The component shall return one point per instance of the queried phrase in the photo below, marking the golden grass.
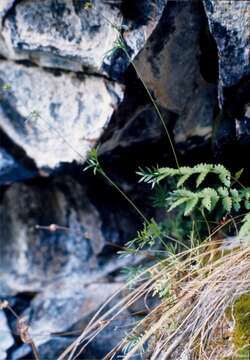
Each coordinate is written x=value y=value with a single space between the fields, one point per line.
x=205 y=281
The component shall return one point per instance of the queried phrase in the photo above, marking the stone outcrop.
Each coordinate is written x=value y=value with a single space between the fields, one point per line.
x=6 y=339
x=65 y=34
x=63 y=92
x=170 y=65
x=229 y=23
x=44 y=113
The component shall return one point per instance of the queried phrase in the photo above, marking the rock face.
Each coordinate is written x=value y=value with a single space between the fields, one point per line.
x=62 y=92
x=4 y=7
x=31 y=254
x=44 y=113
x=59 y=34
x=6 y=339
x=229 y=22
x=65 y=265
x=87 y=300
x=66 y=34
x=170 y=66
x=11 y=170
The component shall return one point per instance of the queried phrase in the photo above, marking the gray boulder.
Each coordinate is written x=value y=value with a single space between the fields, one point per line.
x=64 y=303
x=32 y=255
x=62 y=265
x=229 y=23
x=64 y=35
x=170 y=66
x=12 y=170
x=6 y=338
x=54 y=119
x=65 y=307
x=4 y=8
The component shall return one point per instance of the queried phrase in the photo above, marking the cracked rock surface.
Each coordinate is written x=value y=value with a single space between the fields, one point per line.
x=44 y=113
x=62 y=93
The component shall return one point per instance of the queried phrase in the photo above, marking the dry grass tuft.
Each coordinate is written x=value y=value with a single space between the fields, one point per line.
x=203 y=283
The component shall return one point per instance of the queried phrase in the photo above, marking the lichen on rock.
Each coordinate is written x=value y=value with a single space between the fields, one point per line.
x=241 y=330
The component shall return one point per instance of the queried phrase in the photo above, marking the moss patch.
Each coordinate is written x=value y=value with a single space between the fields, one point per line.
x=241 y=332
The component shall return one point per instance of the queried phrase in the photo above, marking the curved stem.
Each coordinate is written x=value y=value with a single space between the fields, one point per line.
x=238 y=182
x=102 y=172
x=154 y=104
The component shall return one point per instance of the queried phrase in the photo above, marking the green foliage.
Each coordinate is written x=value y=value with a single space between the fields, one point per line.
x=241 y=332
x=7 y=87
x=207 y=198
x=177 y=226
x=88 y=5
x=245 y=228
x=154 y=176
x=163 y=288
x=156 y=236
x=148 y=236
x=93 y=162
x=134 y=275
x=131 y=341
x=222 y=195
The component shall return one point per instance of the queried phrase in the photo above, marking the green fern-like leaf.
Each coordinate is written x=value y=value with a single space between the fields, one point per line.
x=247 y=198
x=236 y=199
x=223 y=173
x=245 y=228
x=185 y=172
x=182 y=180
x=206 y=201
x=227 y=203
x=209 y=198
x=201 y=178
x=221 y=195
x=190 y=206
x=222 y=191
x=178 y=202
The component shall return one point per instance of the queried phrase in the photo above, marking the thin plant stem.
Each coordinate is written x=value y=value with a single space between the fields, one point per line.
x=102 y=172
x=154 y=105
x=123 y=47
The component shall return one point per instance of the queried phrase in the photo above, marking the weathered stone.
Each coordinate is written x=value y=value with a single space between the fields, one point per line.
x=61 y=34
x=11 y=170
x=5 y=5
x=49 y=351
x=67 y=270
x=34 y=254
x=54 y=119
x=229 y=23
x=30 y=255
x=63 y=264
x=66 y=306
x=63 y=303
x=128 y=128
x=243 y=128
x=6 y=339
x=169 y=64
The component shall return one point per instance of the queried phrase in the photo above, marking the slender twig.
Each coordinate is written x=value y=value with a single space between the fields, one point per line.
x=154 y=105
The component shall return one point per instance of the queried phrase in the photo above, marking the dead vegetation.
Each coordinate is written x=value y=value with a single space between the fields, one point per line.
x=192 y=321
